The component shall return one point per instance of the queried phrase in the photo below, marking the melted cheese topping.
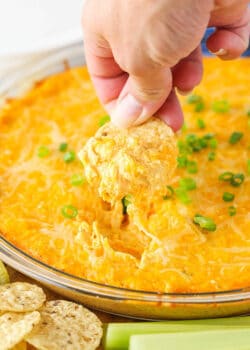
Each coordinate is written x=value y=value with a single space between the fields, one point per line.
x=165 y=251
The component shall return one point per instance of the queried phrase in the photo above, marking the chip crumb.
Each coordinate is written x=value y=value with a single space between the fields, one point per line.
x=66 y=325
x=15 y=326
x=21 y=297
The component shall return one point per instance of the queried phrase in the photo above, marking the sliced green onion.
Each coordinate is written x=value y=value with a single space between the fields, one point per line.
x=199 y=107
x=201 y=124
x=228 y=197
x=103 y=120
x=77 y=180
x=193 y=99
x=221 y=106
x=183 y=147
x=69 y=156
x=237 y=179
x=63 y=147
x=192 y=167
x=209 y=136
x=248 y=113
x=182 y=195
x=231 y=211
x=235 y=137
x=213 y=143
x=188 y=183
x=126 y=200
x=204 y=222
x=169 y=194
x=69 y=211
x=43 y=152
x=182 y=161
x=226 y=176
x=211 y=156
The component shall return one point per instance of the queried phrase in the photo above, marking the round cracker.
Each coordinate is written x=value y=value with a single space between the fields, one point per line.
x=66 y=325
x=21 y=297
x=15 y=326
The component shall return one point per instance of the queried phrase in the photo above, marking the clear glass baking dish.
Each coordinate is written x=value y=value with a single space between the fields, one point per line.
x=119 y=301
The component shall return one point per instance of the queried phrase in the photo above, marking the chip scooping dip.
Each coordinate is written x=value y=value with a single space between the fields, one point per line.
x=138 y=161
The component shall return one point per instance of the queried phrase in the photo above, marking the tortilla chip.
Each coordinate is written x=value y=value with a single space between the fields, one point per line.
x=21 y=297
x=66 y=325
x=138 y=161
x=15 y=326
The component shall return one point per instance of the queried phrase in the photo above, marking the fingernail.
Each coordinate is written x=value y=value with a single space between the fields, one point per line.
x=220 y=52
x=126 y=112
x=184 y=92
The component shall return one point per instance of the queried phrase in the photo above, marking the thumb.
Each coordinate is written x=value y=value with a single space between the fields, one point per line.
x=141 y=97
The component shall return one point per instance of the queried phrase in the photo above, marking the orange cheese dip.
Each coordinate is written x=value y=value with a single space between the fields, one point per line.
x=169 y=252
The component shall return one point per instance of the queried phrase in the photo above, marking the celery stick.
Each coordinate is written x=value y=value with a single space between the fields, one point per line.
x=232 y=339
x=117 y=334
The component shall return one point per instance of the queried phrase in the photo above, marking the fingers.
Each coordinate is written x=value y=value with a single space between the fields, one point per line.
x=141 y=97
x=171 y=112
x=188 y=72
x=231 y=41
x=106 y=75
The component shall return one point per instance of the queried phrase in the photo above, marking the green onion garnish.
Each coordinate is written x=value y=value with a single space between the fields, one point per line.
x=187 y=183
x=235 y=137
x=226 y=176
x=211 y=156
x=199 y=106
x=105 y=119
x=182 y=195
x=43 y=152
x=213 y=143
x=228 y=197
x=204 y=222
x=69 y=211
x=221 y=106
x=231 y=210
x=69 y=156
x=192 y=167
x=125 y=202
x=248 y=113
x=237 y=180
x=77 y=180
x=248 y=166
x=182 y=161
x=63 y=147
x=169 y=194
x=209 y=136
x=192 y=99
x=201 y=124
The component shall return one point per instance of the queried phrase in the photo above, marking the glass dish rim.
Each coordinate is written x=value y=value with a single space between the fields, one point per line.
x=22 y=261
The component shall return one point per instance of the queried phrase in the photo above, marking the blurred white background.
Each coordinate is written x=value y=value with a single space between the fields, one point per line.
x=29 y=28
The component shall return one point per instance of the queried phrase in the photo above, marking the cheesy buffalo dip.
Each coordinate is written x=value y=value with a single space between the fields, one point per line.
x=194 y=237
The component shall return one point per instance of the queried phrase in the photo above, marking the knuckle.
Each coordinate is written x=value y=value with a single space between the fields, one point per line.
x=150 y=94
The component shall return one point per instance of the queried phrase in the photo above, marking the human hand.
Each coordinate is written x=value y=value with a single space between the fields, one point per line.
x=138 y=51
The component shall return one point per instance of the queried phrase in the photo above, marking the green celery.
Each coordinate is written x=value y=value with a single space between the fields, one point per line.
x=236 y=339
x=117 y=334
